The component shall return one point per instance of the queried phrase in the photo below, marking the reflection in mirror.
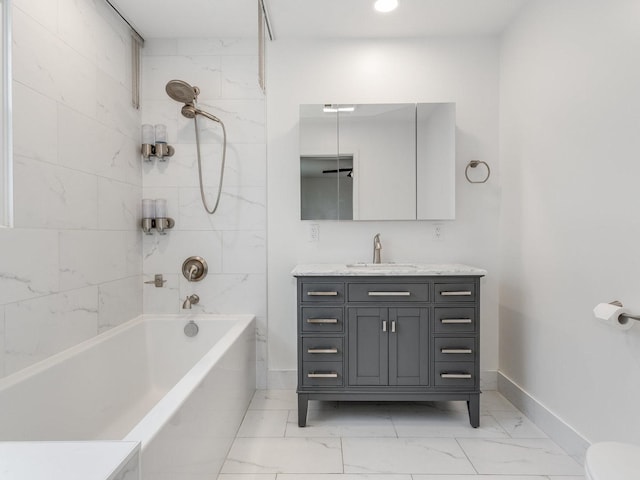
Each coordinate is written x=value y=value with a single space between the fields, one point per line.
x=400 y=161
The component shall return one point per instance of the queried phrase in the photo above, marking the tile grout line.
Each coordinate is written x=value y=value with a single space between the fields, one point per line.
x=466 y=456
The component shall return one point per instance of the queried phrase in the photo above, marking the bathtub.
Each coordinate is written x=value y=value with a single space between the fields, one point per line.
x=183 y=398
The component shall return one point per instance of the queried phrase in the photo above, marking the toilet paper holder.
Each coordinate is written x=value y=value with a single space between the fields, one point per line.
x=626 y=316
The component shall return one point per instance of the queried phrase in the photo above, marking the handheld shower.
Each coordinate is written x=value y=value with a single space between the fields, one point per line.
x=182 y=92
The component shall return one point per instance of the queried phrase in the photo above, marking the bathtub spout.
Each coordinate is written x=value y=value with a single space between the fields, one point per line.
x=191 y=300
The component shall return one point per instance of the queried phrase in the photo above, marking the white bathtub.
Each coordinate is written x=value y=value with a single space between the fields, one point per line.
x=182 y=398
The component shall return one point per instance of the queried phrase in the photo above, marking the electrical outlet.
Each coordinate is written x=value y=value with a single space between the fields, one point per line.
x=438 y=232
x=314 y=232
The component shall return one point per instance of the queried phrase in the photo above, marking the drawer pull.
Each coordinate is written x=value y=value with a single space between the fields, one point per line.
x=322 y=350
x=455 y=350
x=322 y=320
x=455 y=320
x=384 y=325
x=389 y=294
x=322 y=294
x=393 y=326
x=455 y=375
x=460 y=293
x=322 y=375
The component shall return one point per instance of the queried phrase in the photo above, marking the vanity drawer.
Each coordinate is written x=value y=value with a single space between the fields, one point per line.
x=388 y=292
x=322 y=374
x=455 y=292
x=322 y=292
x=322 y=349
x=321 y=319
x=454 y=320
x=454 y=349
x=455 y=374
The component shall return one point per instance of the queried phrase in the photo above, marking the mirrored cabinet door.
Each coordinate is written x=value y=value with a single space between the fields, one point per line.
x=377 y=161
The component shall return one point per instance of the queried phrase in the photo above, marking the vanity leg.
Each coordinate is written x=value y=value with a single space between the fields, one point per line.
x=473 y=405
x=303 y=404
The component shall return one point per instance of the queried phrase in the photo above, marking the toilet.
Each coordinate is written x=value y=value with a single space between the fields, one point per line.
x=612 y=461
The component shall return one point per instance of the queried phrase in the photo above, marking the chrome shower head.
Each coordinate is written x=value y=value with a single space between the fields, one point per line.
x=182 y=92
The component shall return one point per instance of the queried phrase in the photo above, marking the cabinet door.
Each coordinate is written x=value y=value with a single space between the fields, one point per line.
x=408 y=346
x=368 y=353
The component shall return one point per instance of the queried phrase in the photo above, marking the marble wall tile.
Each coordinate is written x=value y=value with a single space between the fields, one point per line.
x=1 y=341
x=244 y=121
x=239 y=293
x=38 y=328
x=244 y=251
x=76 y=81
x=160 y=46
x=166 y=253
x=119 y=301
x=50 y=196
x=114 y=107
x=217 y=46
x=240 y=208
x=240 y=77
x=92 y=257
x=119 y=206
x=202 y=71
x=113 y=43
x=162 y=300
x=77 y=22
x=102 y=151
x=44 y=12
x=35 y=118
x=20 y=279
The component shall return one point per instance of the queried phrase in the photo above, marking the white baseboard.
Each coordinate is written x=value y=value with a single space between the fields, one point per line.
x=558 y=430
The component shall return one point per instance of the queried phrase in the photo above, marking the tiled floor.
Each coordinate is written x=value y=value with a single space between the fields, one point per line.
x=392 y=441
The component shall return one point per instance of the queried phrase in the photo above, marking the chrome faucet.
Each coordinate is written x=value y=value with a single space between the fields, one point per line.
x=377 y=246
x=191 y=300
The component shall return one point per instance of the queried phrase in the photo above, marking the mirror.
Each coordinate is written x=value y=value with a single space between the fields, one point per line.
x=377 y=161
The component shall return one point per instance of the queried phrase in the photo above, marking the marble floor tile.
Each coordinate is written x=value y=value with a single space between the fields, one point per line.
x=404 y=455
x=247 y=476
x=517 y=425
x=345 y=476
x=339 y=422
x=448 y=424
x=519 y=457
x=264 y=423
x=284 y=455
x=481 y=477
x=492 y=401
x=274 y=400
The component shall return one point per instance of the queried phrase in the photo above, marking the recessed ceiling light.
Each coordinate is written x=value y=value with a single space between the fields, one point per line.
x=385 y=6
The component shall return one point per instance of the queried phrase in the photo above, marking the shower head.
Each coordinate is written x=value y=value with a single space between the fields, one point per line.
x=190 y=111
x=182 y=92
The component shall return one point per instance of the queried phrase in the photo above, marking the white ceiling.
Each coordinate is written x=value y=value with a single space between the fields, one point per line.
x=318 y=18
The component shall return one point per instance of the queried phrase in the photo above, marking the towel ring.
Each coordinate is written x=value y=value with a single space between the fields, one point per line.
x=474 y=164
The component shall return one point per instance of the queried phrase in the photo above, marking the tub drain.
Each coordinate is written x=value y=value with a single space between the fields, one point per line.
x=191 y=329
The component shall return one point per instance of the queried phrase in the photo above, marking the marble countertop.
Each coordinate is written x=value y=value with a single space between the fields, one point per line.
x=386 y=269
x=95 y=460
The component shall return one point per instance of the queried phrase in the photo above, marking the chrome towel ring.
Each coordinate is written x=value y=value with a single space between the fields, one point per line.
x=474 y=164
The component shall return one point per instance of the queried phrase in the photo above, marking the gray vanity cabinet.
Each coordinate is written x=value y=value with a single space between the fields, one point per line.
x=388 y=346
x=387 y=338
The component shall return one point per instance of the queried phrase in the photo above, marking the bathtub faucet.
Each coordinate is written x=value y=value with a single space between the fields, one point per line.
x=191 y=300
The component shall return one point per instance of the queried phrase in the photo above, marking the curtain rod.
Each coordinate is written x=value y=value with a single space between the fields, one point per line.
x=133 y=30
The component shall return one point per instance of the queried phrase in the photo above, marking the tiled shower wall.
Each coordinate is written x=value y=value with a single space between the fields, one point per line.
x=72 y=265
x=232 y=241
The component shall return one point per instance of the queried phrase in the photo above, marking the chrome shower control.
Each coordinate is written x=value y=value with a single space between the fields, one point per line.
x=194 y=269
